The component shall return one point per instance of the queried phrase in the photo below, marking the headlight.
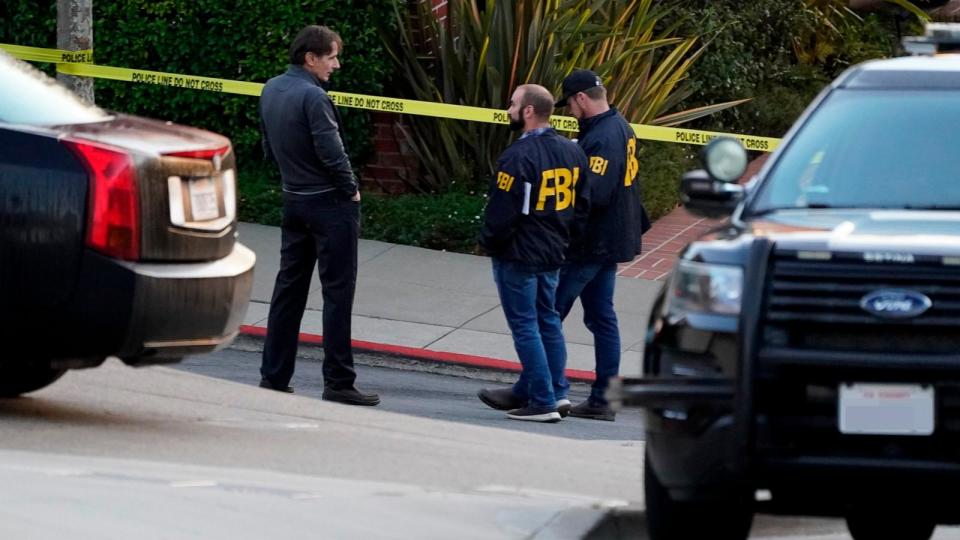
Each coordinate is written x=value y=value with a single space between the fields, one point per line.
x=705 y=288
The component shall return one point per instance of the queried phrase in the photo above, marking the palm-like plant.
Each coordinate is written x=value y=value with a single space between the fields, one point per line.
x=481 y=55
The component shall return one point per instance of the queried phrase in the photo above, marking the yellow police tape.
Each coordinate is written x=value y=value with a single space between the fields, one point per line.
x=175 y=80
x=37 y=54
x=358 y=101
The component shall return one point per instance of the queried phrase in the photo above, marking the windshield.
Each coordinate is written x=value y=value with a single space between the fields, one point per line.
x=29 y=97
x=874 y=149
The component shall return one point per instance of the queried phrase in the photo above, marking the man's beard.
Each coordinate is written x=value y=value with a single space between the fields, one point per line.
x=515 y=125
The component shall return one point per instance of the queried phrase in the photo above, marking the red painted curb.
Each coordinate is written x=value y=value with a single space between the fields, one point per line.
x=424 y=354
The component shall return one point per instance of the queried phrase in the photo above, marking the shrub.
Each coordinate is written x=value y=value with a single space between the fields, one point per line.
x=259 y=196
x=450 y=221
x=780 y=53
x=661 y=166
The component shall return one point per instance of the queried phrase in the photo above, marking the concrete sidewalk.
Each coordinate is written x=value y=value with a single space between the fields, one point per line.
x=440 y=306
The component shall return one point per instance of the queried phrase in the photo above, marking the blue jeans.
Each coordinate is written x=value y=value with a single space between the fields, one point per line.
x=594 y=284
x=527 y=296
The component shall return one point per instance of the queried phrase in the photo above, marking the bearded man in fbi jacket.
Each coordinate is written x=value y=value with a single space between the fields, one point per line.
x=535 y=206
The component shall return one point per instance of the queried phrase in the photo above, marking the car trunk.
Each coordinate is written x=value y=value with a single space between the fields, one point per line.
x=186 y=186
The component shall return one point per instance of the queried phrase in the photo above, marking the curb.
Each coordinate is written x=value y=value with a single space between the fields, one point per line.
x=468 y=360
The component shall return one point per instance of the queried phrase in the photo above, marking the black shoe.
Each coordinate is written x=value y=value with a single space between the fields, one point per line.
x=350 y=396
x=264 y=383
x=501 y=399
x=535 y=414
x=593 y=412
x=563 y=407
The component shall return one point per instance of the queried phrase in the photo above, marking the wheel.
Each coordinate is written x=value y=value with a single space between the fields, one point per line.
x=21 y=379
x=881 y=524
x=729 y=518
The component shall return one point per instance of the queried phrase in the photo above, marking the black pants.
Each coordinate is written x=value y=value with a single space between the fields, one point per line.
x=317 y=229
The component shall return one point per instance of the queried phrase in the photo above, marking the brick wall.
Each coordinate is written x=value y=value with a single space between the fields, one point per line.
x=440 y=9
x=392 y=160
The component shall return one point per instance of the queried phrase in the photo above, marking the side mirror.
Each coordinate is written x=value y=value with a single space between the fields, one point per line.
x=709 y=198
x=712 y=192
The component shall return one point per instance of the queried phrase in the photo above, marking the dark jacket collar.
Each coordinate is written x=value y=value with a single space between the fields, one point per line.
x=588 y=123
x=537 y=132
x=301 y=73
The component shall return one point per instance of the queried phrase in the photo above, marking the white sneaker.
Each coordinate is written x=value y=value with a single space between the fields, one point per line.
x=535 y=414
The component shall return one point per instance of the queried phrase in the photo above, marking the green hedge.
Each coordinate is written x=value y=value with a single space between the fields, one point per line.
x=661 y=166
x=29 y=22
x=450 y=221
x=239 y=39
x=751 y=53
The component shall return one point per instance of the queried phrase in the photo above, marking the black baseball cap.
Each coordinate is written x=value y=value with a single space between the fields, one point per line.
x=578 y=81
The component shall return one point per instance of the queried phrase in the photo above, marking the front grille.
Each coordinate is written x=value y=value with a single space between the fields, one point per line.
x=830 y=291
x=815 y=305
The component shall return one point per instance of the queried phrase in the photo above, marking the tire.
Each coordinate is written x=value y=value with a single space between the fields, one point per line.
x=21 y=379
x=723 y=519
x=882 y=524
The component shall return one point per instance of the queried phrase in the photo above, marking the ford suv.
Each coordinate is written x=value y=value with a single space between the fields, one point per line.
x=805 y=356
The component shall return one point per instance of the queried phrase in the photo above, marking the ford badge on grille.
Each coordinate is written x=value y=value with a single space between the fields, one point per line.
x=895 y=303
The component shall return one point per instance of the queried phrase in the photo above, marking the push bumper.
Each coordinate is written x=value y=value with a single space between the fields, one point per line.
x=656 y=393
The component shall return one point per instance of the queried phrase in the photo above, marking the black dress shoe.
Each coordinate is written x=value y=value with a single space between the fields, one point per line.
x=501 y=399
x=593 y=412
x=264 y=383
x=350 y=396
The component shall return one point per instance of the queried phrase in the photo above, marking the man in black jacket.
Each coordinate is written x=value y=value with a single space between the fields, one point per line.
x=616 y=222
x=303 y=133
x=533 y=209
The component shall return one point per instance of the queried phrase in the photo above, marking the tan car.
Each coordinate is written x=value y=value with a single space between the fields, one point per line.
x=117 y=236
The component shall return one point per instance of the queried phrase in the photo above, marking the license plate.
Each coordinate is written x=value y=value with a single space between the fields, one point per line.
x=203 y=199
x=886 y=409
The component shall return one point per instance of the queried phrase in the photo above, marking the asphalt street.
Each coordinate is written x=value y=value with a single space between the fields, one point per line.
x=156 y=453
x=448 y=395
x=423 y=394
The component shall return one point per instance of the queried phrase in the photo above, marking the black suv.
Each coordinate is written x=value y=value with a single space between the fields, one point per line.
x=805 y=356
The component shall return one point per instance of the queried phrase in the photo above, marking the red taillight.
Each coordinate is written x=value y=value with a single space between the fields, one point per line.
x=113 y=225
x=200 y=154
